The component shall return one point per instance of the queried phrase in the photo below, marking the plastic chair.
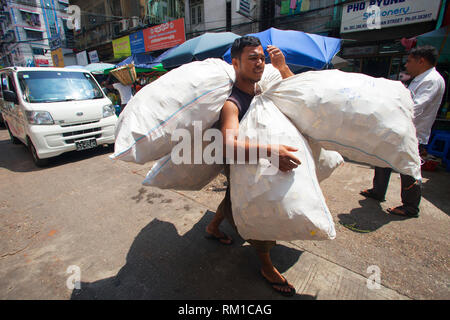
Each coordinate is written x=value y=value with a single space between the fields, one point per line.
x=440 y=147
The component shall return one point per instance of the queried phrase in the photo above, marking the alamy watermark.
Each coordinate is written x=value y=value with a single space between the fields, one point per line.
x=74 y=280
x=257 y=146
x=374 y=280
x=74 y=21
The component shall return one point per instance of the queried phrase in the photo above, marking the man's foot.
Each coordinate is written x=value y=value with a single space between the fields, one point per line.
x=369 y=193
x=402 y=211
x=216 y=234
x=278 y=282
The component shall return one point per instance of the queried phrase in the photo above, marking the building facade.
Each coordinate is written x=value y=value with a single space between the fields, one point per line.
x=27 y=28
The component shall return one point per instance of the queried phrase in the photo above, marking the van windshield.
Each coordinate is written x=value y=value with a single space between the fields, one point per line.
x=57 y=86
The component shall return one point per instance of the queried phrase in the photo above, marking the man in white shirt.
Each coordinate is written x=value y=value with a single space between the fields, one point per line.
x=427 y=89
x=125 y=93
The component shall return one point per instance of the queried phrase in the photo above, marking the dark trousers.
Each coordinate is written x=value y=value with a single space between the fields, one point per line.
x=411 y=188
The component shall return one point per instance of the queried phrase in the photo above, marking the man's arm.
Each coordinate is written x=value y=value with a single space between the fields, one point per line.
x=230 y=132
x=278 y=61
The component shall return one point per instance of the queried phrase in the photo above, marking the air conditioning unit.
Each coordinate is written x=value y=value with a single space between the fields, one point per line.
x=124 y=25
x=135 y=21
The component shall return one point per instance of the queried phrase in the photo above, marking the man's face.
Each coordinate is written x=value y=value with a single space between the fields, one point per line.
x=250 y=65
x=414 y=65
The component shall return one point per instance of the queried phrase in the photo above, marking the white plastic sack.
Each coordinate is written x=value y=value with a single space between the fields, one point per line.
x=193 y=92
x=363 y=118
x=326 y=161
x=282 y=206
x=165 y=174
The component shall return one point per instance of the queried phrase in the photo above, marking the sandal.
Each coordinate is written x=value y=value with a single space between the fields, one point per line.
x=401 y=211
x=283 y=284
x=369 y=193
x=210 y=236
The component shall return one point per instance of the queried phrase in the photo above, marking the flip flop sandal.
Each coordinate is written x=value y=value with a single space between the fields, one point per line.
x=402 y=212
x=370 y=194
x=224 y=237
x=284 y=284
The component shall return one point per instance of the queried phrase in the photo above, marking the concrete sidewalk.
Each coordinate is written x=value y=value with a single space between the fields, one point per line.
x=134 y=242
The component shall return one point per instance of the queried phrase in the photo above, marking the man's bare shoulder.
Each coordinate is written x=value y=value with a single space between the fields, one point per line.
x=229 y=107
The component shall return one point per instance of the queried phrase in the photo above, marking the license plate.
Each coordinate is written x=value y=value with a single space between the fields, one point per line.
x=85 y=144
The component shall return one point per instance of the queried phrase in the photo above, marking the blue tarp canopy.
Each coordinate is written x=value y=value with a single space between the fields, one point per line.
x=144 y=60
x=140 y=60
x=302 y=50
x=208 y=45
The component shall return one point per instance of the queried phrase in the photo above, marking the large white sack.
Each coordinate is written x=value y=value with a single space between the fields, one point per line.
x=192 y=92
x=363 y=118
x=165 y=174
x=326 y=161
x=282 y=206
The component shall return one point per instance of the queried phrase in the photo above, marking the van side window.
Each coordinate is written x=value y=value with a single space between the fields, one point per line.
x=4 y=83
x=11 y=85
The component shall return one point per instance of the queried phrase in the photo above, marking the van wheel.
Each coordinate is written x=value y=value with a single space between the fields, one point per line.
x=13 y=139
x=37 y=161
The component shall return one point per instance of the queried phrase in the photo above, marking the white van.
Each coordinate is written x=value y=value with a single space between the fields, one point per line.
x=55 y=110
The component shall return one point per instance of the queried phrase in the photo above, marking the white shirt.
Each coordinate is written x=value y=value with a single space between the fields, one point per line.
x=427 y=90
x=124 y=91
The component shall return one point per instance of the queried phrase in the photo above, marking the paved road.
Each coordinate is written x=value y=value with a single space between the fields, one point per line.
x=135 y=242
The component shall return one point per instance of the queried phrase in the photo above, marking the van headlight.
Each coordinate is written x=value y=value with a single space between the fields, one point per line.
x=108 y=111
x=39 y=117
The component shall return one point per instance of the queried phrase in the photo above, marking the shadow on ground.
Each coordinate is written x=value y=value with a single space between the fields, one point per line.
x=161 y=264
x=436 y=188
x=17 y=157
x=368 y=218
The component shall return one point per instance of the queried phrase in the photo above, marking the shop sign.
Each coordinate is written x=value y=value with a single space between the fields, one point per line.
x=378 y=14
x=82 y=59
x=137 y=42
x=360 y=51
x=57 y=58
x=165 y=35
x=121 y=47
x=93 y=56
x=40 y=62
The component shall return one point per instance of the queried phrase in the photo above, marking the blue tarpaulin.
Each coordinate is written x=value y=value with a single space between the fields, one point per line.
x=302 y=50
x=208 y=45
x=144 y=60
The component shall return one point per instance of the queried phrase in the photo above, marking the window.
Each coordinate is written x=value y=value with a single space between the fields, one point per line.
x=199 y=14
x=38 y=51
x=30 y=18
x=196 y=12
x=53 y=86
x=34 y=35
x=193 y=15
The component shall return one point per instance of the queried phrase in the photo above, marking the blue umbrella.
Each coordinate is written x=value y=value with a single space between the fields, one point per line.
x=137 y=59
x=208 y=45
x=300 y=49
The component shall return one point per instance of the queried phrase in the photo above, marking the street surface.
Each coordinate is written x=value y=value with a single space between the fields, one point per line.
x=87 y=213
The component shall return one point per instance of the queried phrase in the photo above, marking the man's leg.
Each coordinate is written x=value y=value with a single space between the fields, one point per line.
x=380 y=184
x=222 y=212
x=411 y=194
x=268 y=271
x=213 y=227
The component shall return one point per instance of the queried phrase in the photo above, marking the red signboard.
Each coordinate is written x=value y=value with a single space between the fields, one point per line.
x=39 y=62
x=165 y=35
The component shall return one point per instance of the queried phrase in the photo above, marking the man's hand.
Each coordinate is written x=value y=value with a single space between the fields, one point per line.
x=286 y=160
x=278 y=61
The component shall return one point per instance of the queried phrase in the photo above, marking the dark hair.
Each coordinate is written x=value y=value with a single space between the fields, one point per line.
x=240 y=43
x=429 y=53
